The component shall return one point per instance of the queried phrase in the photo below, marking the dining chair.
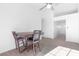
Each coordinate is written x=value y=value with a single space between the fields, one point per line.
x=18 y=40
x=35 y=40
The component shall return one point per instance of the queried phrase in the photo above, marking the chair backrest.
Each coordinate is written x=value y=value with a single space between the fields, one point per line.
x=14 y=34
x=36 y=35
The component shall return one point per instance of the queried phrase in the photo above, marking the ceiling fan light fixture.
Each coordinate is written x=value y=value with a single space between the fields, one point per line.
x=48 y=6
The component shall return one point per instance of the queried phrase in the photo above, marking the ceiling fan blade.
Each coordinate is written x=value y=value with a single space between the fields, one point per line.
x=43 y=7
x=48 y=4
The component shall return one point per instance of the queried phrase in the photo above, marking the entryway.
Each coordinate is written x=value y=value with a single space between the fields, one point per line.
x=60 y=30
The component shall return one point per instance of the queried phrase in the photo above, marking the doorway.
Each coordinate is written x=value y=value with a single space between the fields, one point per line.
x=60 y=29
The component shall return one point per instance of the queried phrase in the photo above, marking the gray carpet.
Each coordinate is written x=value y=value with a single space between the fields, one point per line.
x=46 y=45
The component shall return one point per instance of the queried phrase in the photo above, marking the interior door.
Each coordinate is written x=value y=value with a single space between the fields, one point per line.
x=72 y=28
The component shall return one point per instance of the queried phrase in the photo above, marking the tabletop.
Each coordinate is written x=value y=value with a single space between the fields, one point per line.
x=27 y=34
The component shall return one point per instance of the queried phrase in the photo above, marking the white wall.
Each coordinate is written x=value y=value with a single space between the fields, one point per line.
x=48 y=23
x=18 y=17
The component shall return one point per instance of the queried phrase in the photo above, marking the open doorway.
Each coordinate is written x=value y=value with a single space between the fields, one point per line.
x=60 y=29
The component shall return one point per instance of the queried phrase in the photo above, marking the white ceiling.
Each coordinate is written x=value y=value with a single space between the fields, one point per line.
x=65 y=8
x=61 y=8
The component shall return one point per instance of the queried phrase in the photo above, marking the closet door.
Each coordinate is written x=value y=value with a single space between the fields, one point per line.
x=72 y=28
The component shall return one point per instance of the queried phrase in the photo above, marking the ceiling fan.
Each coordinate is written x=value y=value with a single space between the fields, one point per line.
x=48 y=5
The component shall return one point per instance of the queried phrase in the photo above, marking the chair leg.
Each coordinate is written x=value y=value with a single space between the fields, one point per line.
x=26 y=43
x=33 y=49
x=39 y=46
x=18 y=46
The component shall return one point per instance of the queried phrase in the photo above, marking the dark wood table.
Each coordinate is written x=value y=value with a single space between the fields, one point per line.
x=25 y=34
